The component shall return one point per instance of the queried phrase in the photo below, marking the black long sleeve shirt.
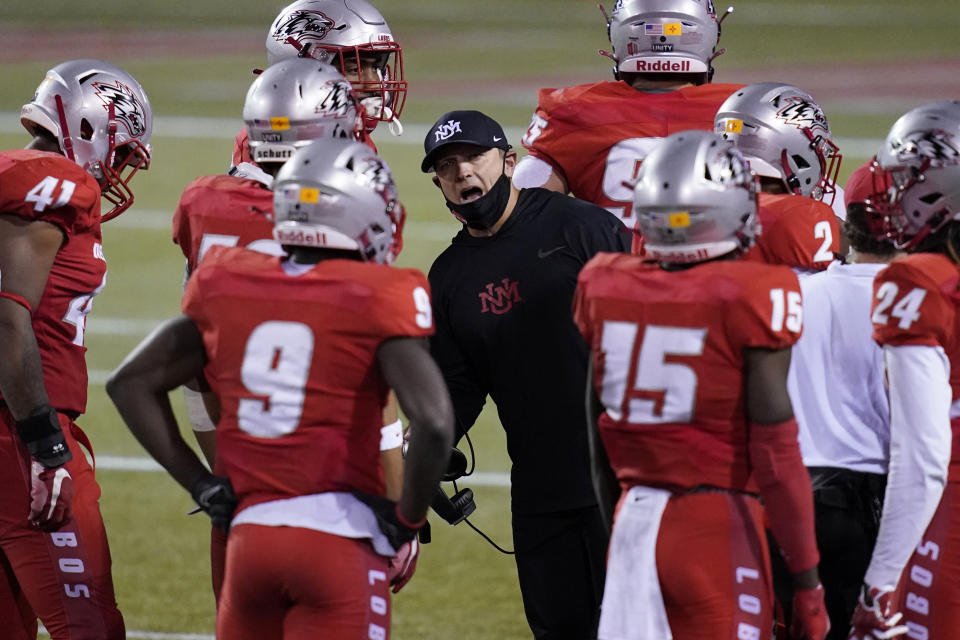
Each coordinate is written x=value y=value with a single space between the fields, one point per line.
x=502 y=308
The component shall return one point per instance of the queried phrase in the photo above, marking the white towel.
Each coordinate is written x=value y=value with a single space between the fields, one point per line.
x=633 y=606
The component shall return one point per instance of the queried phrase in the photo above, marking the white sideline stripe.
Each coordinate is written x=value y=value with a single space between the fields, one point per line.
x=143 y=465
x=227 y=128
x=135 y=634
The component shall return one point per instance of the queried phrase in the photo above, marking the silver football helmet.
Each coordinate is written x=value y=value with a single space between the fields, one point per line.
x=354 y=37
x=784 y=134
x=338 y=194
x=663 y=36
x=921 y=154
x=294 y=102
x=695 y=199
x=102 y=119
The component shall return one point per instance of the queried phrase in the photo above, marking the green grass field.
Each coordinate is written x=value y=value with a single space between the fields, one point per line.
x=867 y=62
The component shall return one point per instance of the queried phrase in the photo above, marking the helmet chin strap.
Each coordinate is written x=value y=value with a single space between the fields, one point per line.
x=64 y=129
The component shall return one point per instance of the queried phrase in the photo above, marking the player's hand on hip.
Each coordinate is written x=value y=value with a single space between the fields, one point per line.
x=874 y=617
x=215 y=496
x=403 y=564
x=397 y=531
x=810 y=621
x=51 y=491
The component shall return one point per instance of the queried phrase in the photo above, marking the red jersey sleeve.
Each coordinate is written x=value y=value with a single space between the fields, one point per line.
x=769 y=313
x=796 y=231
x=38 y=185
x=193 y=296
x=402 y=304
x=582 y=308
x=912 y=301
x=241 y=148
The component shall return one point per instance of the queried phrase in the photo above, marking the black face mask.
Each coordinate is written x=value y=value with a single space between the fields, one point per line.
x=483 y=213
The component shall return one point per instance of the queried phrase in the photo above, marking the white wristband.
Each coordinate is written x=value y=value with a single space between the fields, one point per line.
x=391 y=436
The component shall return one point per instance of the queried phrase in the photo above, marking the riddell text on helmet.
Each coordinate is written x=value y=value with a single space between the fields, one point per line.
x=664 y=66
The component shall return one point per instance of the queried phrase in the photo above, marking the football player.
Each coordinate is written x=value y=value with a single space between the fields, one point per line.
x=696 y=422
x=290 y=104
x=91 y=124
x=915 y=320
x=838 y=389
x=352 y=36
x=783 y=133
x=301 y=351
x=589 y=140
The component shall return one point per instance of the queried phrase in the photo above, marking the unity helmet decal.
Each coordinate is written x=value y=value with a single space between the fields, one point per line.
x=126 y=107
x=803 y=115
x=305 y=27
x=938 y=146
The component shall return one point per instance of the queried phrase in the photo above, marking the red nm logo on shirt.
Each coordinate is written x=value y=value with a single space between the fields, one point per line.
x=499 y=299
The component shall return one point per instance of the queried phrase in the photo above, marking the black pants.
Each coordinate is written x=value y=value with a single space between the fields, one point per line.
x=561 y=562
x=847 y=506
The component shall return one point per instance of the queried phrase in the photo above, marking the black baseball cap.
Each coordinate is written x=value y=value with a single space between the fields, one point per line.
x=468 y=127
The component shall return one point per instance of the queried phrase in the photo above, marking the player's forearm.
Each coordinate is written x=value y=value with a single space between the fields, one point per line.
x=920 y=442
x=787 y=496
x=427 y=456
x=21 y=373
x=149 y=416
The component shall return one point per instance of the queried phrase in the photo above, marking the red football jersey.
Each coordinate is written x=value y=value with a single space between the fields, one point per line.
x=226 y=211
x=596 y=135
x=37 y=185
x=915 y=303
x=667 y=352
x=241 y=146
x=292 y=357
x=796 y=231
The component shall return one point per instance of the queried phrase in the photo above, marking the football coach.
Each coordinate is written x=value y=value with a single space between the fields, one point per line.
x=502 y=296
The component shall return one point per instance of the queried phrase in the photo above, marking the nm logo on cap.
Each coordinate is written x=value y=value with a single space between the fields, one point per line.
x=446 y=130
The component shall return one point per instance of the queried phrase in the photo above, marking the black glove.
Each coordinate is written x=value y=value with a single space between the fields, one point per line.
x=215 y=496
x=42 y=434
x=389 y=521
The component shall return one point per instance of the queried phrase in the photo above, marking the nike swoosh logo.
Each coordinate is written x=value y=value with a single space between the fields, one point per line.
x=543 y=254
x=496 y=139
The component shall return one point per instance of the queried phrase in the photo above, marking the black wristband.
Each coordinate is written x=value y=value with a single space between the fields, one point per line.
x=42 y=434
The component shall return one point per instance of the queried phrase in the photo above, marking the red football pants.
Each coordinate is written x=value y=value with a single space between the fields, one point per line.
x=218 y=561
x=62 y=577
x=714 y=567
x=930 y=586
x=300 y=584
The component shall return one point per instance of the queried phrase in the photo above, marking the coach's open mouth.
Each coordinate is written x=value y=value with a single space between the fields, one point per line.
x=470 y=194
